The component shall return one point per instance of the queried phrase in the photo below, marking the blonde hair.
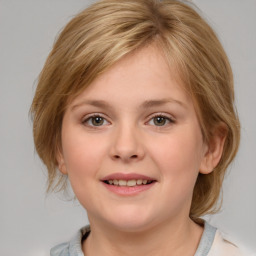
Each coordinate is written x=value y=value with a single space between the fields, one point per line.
x=101 y=35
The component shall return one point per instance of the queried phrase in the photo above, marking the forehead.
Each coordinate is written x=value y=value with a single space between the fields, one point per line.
x=143 y=74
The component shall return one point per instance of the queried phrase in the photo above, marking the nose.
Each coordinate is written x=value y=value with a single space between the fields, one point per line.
x=127 y=144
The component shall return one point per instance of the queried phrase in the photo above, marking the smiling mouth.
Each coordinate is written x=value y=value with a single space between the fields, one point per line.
x=128 y=183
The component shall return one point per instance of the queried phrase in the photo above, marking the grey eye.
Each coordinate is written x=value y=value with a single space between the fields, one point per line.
x=159 y=120
x=97 y=121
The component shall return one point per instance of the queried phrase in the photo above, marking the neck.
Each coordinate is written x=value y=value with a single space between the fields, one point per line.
x=179 y=238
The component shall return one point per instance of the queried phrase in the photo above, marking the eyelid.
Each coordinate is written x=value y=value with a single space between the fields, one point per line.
x=170 y=118
x=87 y=117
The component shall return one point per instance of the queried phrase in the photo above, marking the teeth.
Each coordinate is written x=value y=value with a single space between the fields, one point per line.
x=128 y=183
x=139 y=182
x=122 y=182
x=131 y=183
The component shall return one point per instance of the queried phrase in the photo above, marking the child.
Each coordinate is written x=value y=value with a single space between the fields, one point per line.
x=135 y=105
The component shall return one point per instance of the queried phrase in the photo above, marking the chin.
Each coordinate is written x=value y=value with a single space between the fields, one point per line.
x=132 y=226
x=131 y=221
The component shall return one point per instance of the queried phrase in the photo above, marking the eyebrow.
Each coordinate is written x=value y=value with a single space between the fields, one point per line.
x=160 y=102
x=144 y=105
x=96 y=103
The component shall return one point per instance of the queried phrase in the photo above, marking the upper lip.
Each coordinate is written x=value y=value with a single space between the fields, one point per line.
x=127 y=176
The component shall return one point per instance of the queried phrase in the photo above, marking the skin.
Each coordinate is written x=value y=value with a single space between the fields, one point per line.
x=129 y=139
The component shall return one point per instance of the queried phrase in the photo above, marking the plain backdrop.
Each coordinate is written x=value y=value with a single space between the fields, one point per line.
x=30 y=222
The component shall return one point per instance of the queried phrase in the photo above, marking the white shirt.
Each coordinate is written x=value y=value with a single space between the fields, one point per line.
x=212 y=243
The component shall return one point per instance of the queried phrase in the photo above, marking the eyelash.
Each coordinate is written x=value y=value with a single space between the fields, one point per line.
x=87 y=119
x=90 y=118
x=169 y=119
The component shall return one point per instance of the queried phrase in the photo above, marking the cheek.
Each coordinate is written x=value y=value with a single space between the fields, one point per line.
x=83 y=158
x=179 y=151
x=82 y=154
x=178 y=156
x=177 y=159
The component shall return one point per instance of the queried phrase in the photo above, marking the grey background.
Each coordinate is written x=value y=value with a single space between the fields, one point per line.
x=30 y=222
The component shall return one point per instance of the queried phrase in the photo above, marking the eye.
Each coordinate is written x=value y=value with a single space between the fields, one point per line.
x=95 y=120
x=160 y=120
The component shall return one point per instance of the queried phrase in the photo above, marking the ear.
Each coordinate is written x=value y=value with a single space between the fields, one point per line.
x=61 y=163
x=214 y=149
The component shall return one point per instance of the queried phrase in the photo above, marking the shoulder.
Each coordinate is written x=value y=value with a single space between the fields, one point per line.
x=60 y=250
x=73 y=247
x=216 y=243
x=224 y=245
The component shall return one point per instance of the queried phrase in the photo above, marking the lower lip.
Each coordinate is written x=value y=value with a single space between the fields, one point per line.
x=128 y=191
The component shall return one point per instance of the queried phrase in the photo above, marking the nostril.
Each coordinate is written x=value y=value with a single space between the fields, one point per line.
x=131 y=157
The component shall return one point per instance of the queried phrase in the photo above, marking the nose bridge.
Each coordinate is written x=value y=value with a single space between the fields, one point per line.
x=127 y=143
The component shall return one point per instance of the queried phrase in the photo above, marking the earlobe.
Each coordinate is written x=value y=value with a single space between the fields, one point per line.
x=62 y=168
x=61 y=163
x=214 y=149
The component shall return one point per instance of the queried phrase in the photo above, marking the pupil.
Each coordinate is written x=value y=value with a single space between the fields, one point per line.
x=97 y=121
x=159 y=120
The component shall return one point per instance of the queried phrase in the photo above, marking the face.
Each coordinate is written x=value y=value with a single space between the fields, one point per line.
x=132 y=145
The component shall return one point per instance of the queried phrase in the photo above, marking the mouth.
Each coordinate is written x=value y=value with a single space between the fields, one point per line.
x=128 y=184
